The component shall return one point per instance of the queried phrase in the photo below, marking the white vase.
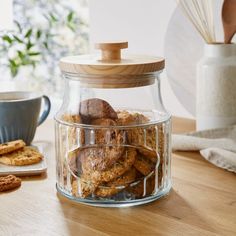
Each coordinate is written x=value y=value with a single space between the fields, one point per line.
x=216 y=87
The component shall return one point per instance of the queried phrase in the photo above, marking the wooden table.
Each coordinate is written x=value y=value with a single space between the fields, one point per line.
x=202 y=202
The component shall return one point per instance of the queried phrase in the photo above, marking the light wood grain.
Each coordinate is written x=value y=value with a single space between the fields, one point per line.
x=229 y=20
x=111 y=50
x=93 y=65
x=202 y=202
x=110 y=70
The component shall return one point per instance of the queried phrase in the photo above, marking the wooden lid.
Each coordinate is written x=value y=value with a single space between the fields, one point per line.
x=111 y=63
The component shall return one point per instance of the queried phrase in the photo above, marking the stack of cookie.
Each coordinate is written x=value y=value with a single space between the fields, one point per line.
x=116 y=154
x=16 y=153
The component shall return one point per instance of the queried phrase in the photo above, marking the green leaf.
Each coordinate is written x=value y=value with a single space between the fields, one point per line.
x=45 y=44
x=29 y=45
x=53 y=17
x=17 y=39
x=71 y=26
x=14 y=71
x=38 y=34
x=70 y=16
x=28 y=33
x=18 y=26
x=20 y=54
x=14 y=68
x=12 y=62
x=34 y=53
x=7 y=39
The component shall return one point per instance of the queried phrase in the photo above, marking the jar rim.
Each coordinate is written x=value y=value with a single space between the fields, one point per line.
x=132 y=126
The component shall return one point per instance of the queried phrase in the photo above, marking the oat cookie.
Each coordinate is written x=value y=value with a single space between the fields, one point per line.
x=75 y=136
x=119 y=168
x=93 y=179
x=95 y=109
x=9 y=182
x=86 y=160
x=150 y=154
x=72 y=118
x=82 y=188
x=116 y=185
x=143 y=165
x=109 y=135
x=148 y=137
x=99 y=158
x=137 y=136
x=24 y=156
x=11 y=146
x=127 y=118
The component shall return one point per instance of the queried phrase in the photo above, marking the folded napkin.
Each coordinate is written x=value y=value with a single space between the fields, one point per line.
x=218 y=146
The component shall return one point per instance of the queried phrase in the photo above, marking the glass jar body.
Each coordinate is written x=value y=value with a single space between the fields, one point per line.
x=113 y=144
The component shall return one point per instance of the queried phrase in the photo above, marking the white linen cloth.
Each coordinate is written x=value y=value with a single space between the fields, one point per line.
x=218 y=146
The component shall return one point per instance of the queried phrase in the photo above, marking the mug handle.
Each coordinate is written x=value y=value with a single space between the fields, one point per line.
x=46 y=110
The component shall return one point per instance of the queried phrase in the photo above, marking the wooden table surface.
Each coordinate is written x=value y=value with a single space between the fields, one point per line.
x=201 y=202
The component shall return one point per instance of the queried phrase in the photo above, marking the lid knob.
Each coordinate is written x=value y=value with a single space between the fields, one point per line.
x=111 y=50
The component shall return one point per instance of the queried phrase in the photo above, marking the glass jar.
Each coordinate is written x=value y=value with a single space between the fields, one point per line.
x=112 y=130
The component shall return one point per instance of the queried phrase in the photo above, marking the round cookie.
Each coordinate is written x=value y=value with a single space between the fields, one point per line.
x=96 y=108
x=87 y=160
x=99 y=159
x=9 y=182
x=24 y=156
x=123 y=164
x=11 y=146
x=117 y=185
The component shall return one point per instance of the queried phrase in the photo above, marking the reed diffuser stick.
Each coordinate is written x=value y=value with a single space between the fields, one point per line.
x=200 y=13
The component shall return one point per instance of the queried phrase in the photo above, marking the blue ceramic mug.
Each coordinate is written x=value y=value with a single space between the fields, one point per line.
x=20 y=115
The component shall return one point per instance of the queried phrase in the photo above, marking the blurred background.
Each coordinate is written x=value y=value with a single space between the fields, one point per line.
x=35 y=34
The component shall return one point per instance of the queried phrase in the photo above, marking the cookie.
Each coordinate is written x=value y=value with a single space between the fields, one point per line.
x=117 y=185
x=99 y=159
x=11 y=146
x=127 y=118
x=107 y=134
x=143 y=165
x=103 y=122
x=96 y=108
x=120 y=167
x=82 y=188
x=136 y=136
x=24 y=156
x=92 y=179
x=9 y=182
x=76 y=136
x=150 y=154
x=72 y=118
x=148 y=137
